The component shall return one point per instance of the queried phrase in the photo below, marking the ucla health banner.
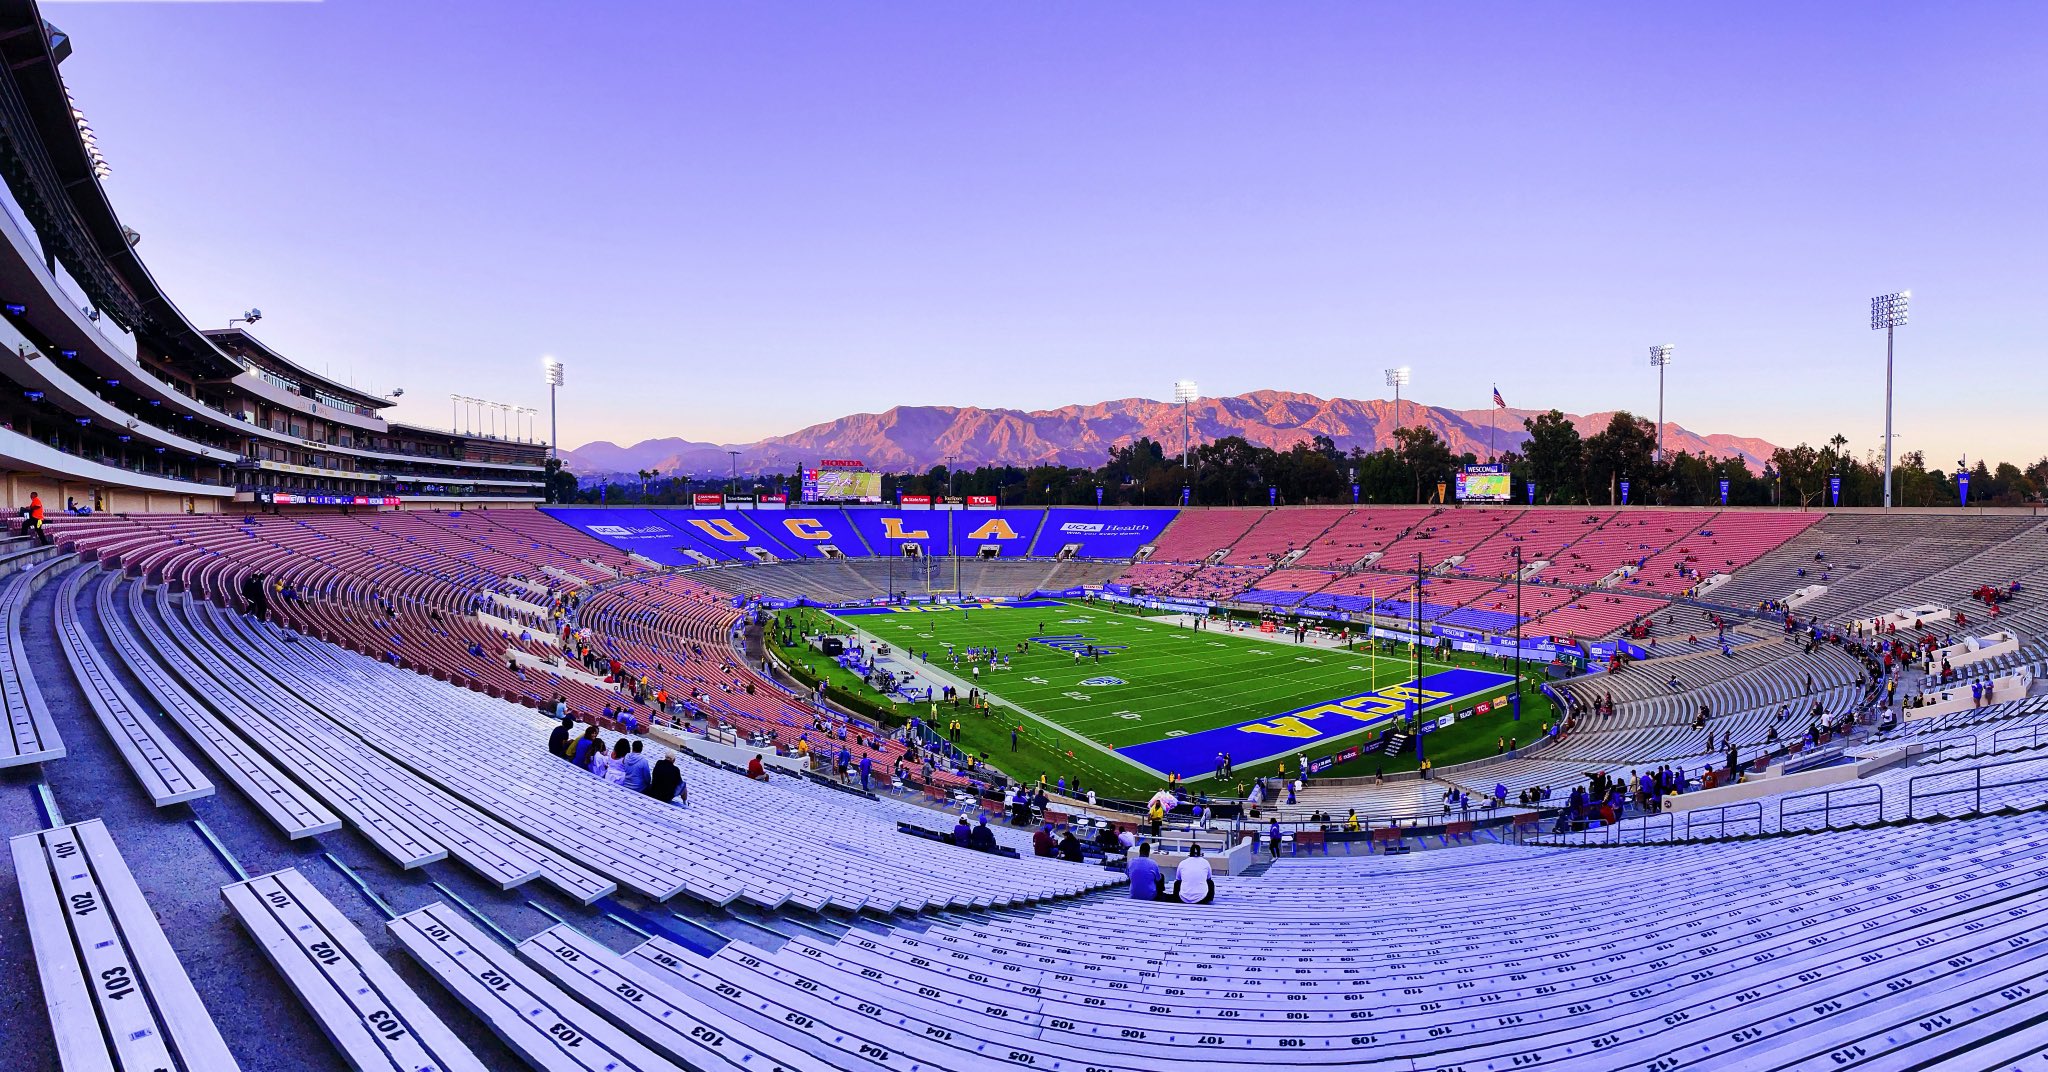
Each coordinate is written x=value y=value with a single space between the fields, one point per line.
x=1114 y=533
x=638 y=531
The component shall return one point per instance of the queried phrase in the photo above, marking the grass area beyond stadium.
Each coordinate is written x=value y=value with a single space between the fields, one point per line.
x=1156 y=681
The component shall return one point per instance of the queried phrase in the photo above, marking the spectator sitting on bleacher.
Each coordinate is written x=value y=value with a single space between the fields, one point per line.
x=1144 y=875
x=665 y=780
x=604 y=762
x=558 y=738
x=633 y=768
x=982 y=839
x=1041 y=841
x=585 y=747
x=756 y=769
x=962 y=832
x=1194 y=880
x=1070 y=846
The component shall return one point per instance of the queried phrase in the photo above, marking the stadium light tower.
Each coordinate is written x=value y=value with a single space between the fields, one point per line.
x=735 y=471
x=1184 y=395
x=1398 y=378
x=552 y=370
x=1888 y=314
x=1660 y=359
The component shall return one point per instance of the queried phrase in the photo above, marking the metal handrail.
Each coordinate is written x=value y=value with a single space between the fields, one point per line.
x=1828 y=805
x=1723 y=815
x=2034 y=735
x=1670 y=828
x=1914 y=794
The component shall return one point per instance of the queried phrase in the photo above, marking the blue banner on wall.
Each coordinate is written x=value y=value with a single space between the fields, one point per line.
x=1963 y=485
x=1354 y=495
x=1624 y=493
x=1098 y=496
x=1183 y=496
x=1272 y=495
x=1834 y=492
x=1531 y=487
x=1724 y=493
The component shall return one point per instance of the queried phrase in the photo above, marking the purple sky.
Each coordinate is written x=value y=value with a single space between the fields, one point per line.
x=737 y=219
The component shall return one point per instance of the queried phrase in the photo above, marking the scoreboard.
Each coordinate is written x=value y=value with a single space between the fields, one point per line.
x=823 y=485
x=1484 y=483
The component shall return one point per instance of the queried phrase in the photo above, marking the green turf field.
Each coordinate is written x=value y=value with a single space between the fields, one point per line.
x=1174 y=681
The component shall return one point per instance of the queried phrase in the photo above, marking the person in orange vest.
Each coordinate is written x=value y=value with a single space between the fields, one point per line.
x=35 y=517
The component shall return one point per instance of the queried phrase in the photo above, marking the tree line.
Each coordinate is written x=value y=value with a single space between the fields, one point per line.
x=1567 y=469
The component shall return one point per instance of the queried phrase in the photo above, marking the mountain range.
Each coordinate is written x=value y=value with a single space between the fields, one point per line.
x=915 y=438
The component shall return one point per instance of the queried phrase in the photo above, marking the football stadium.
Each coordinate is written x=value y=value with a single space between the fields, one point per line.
x=343 y=740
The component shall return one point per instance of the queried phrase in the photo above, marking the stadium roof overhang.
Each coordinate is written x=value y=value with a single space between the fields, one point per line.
x=239 y=340
x=44 y=156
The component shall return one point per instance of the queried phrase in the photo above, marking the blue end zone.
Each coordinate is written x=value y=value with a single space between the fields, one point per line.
x=948 y=608
x=1302 y=728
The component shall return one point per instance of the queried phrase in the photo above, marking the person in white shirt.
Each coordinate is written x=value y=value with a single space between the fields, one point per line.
x=1193 y=880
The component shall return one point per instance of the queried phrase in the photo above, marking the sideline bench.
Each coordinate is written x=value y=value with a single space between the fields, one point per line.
x=366 y=1010
x=116 y=994
x=166 y=773
x=544 y=1025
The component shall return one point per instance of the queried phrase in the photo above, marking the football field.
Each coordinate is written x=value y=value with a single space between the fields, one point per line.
x=1158 y=697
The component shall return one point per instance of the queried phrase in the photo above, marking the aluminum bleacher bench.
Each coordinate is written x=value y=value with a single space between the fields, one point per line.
x=166 y=773
x=31 y=734
x=543 y=1024
x=294 y=810
x=366 y=1010
x=402 y=841
x=669 y=1020
x=116 y=995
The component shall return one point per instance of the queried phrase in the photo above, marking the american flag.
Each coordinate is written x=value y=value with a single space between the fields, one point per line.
x=1498 y=401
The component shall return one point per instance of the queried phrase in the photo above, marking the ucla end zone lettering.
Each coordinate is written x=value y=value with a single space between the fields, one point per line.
x=948 y=608
x=1296 y=731
x=1076 y=642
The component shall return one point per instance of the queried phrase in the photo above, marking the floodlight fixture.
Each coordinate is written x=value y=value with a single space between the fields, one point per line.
x=1398 y=378
x=1888 y=314
x=1660 y=358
